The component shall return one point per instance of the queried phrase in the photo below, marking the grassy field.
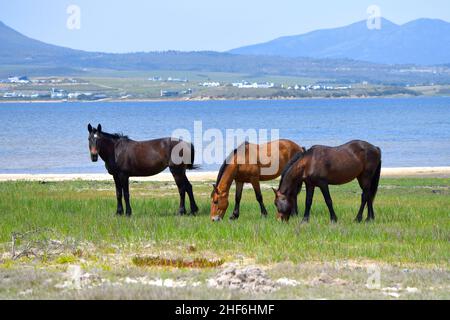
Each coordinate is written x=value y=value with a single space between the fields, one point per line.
x=129 y=85
x=411 y=232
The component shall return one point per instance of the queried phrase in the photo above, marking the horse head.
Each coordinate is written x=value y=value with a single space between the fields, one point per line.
x=283 y=204
x=93 y=141
x=219 y=204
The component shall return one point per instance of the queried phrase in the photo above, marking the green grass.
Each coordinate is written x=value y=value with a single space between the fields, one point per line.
x=412 y=221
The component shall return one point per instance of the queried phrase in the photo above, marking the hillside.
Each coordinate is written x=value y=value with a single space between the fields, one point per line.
x=422 y=41
x=22 y=55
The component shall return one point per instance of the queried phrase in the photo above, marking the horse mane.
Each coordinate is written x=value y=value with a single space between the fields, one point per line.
x=225 y=163
x=115 y=135
x=290 y=164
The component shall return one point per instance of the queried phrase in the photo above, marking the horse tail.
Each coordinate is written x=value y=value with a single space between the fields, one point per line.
x=191 y=166
x=375 y=181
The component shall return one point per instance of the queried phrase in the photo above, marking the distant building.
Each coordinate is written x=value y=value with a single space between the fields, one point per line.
x=10 y=95
x=210 y=84
x=167 y=93
x=344 y=88
x=73 y=95
x=170 y=93
x=254 y=85
x=170 y=79
x=58 y=94
x=23 y=79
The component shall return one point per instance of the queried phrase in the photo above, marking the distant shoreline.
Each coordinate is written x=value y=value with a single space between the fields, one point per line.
x=413 y=172
x=221 y=99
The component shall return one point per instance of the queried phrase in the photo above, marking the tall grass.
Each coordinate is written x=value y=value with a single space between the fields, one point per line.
x=412 y=221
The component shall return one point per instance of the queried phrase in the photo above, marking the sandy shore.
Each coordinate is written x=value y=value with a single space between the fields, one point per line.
x=421 y=172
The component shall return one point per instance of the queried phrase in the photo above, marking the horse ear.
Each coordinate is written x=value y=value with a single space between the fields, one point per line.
x=99 y=128
x=89 y=128
x=215 y=188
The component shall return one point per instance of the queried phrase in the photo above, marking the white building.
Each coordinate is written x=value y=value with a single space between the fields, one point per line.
x=254 y=85
x=210 y=84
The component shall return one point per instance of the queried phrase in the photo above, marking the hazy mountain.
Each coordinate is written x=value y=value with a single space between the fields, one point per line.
x=422 y=41
x=15 y=48
x=21 y=55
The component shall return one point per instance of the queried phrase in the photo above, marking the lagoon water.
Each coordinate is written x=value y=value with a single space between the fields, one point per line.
x=52 y=137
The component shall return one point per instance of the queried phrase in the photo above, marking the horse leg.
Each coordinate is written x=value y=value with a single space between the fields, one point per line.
x=371 y=214
x=239 y=187
x=188 y=188
x=364 y=183
x=295 y=209
x=361 y=208
x=125 y=181
x=259 y=198
x=179 y=180
x=326 y=194
x=308 y=202
x=119 y=210
x=374 y=181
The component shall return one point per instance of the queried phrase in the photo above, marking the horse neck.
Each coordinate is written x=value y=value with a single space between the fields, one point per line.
x=291 y=180
x=106 y=148
x=227 y=178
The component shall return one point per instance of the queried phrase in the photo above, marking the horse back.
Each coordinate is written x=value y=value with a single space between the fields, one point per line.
x=258 y=156
x=342 y=164
x=143 y=158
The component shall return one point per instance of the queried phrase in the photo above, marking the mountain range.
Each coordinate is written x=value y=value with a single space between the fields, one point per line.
x=20 y=54
x=422 y=42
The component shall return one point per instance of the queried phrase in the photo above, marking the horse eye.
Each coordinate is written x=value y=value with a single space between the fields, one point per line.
x=216 y=202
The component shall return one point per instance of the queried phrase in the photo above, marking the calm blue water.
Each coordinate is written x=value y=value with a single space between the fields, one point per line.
x=52 y=138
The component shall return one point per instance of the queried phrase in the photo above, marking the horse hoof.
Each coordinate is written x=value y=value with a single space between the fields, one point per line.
x=368 y=220
x=181 y=212
x=333 y=221
x=358 y=219
x=119 y=213
x=305 y=221
x=194 y=210
x=234 y=217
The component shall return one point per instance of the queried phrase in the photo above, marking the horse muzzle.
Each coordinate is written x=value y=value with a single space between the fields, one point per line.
x=216 y=219
x=94 y=157
x=94 y=153
x=283 y=217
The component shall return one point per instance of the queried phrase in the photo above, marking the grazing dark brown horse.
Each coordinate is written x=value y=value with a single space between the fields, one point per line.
x=321 y=166
x=125 y=158
x=240 y=167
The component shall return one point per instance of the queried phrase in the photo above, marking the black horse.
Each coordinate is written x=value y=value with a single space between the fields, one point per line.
x=322 y=166
x=125 y=158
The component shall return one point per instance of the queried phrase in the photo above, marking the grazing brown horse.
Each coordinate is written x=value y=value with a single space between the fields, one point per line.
x=125 y=158
x=321 y=166
x=248 y=167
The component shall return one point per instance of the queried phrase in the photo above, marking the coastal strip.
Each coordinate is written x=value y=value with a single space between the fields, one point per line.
x=199 y=176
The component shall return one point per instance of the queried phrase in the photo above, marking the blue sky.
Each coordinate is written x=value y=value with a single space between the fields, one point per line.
x=145 y=25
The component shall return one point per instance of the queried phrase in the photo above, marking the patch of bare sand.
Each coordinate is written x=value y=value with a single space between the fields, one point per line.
x=422 y=172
